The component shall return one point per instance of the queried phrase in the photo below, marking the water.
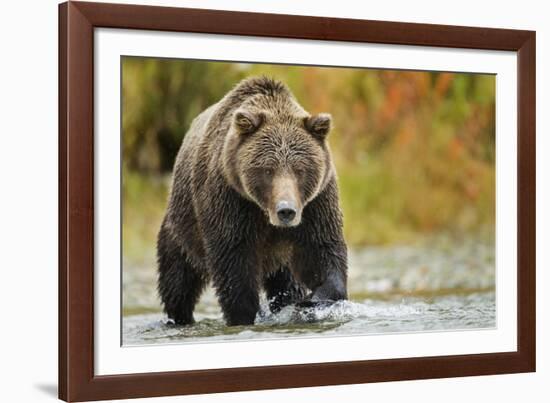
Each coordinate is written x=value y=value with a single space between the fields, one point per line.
x=438 y=286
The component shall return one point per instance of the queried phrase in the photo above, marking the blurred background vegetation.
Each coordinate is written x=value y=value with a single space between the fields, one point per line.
x=414 y=151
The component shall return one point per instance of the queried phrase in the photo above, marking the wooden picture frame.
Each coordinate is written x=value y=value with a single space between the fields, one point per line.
x=77 y=21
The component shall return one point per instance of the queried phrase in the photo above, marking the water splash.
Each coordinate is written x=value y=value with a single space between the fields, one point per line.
x=369 y=316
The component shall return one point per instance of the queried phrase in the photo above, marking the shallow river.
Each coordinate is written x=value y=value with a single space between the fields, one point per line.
x=446 y=285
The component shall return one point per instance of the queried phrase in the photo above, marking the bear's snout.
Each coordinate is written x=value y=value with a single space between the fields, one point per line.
x=286 y=211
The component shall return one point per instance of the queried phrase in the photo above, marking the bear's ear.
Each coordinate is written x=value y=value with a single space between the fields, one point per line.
x=319 y=125
x=247 y=122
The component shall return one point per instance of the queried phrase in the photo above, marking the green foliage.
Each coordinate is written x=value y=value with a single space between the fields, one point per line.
x=144 y=200
x=414 y=151
x=161 y=97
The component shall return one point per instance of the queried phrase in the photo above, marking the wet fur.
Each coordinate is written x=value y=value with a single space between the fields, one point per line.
x=216 y=227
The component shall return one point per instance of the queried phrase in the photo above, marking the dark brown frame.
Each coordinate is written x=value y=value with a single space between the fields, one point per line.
x=77 y=21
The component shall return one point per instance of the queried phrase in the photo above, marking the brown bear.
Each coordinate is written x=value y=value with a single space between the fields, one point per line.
x=254 y=204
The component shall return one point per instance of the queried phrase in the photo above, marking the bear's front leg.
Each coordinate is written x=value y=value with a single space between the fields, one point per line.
x=332 y=289
x=321 y=260
x=282 y=289
x=235 y=279
x=323 y=269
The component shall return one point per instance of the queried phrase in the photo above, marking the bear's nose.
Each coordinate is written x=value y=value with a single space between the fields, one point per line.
x=285 y=211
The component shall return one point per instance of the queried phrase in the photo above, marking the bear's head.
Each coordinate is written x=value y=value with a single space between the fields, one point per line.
x=276 y=156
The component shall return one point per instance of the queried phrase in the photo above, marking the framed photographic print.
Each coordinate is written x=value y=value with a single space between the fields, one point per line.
x=255 y=201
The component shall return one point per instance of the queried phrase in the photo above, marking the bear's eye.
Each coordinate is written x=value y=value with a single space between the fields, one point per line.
x=298 y=171
x=268 y=172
